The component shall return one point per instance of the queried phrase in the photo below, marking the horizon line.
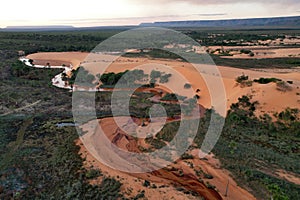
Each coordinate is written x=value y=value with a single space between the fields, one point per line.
x=58 y=26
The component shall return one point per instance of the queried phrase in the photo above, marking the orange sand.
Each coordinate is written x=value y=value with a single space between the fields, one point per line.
x=165 y=176
x=58 y=58
x=271 y=100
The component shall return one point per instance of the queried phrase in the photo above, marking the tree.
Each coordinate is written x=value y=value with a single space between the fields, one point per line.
x=30 y=61
x=165 y=78
x=84 y=78
x=154 y=75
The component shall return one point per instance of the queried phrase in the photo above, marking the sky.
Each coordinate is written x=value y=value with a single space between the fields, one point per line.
x=132 y=12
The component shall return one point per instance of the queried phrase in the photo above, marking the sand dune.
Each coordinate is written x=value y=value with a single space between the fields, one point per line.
x=270 y=99
x=259 y=51
x=58 y=58
x=166 y=176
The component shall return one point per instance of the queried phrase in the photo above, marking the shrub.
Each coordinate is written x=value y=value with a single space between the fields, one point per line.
x=246 y=51
x=289 y=114
x=140 y=195
x=242 y=78
x=266 y=80
x=208 y=176
x=93 y=173
x=154 y=75
x=165 y=78
x=244 y=81
x=187 y=156
x=173 y=97
x=146 y=183
x=181 y=174
x=187 y=86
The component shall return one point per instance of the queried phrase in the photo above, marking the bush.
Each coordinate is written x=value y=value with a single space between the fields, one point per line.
x=187 y=156
x=246 y=51
x=242 y=78
x=146 y=183
x=208 y=176
x=244 y=81
x=140 y=195
x=173 y=97
x=93 y=173
x=187 y=86
x=266 y=80
x=165 y=78
x=196 y=96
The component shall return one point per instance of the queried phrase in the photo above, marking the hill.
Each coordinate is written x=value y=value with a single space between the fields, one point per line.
x=38 y=28
x=291 y=22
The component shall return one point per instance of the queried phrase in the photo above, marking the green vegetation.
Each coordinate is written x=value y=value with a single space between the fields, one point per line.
x=32 y=42
x=46 y=164
x=127 y=78
x=237 y=37
x=246 y=51
x=252 y=148
x=40 y=160
x=187 y=86
x=196 y=96
x=266 y=80
x=242 y=78
x=164 y=78
x=93 y=173
x=168 y=132
x=84 y=78
x=146 y=183
x=155 y=53
x=139 y=104
x=260 y=148
x=187 y=156
x=289 y=115
x=189 y=105
x=263 y=63
x=173 y=97
x=293 y=62
x=155 y=75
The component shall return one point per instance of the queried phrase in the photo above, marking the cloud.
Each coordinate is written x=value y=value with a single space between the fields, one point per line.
x=141 y=19
x=212 y=14
x=220 y=2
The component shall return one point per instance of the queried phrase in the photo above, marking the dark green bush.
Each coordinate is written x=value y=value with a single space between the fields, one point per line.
x=266 y=80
